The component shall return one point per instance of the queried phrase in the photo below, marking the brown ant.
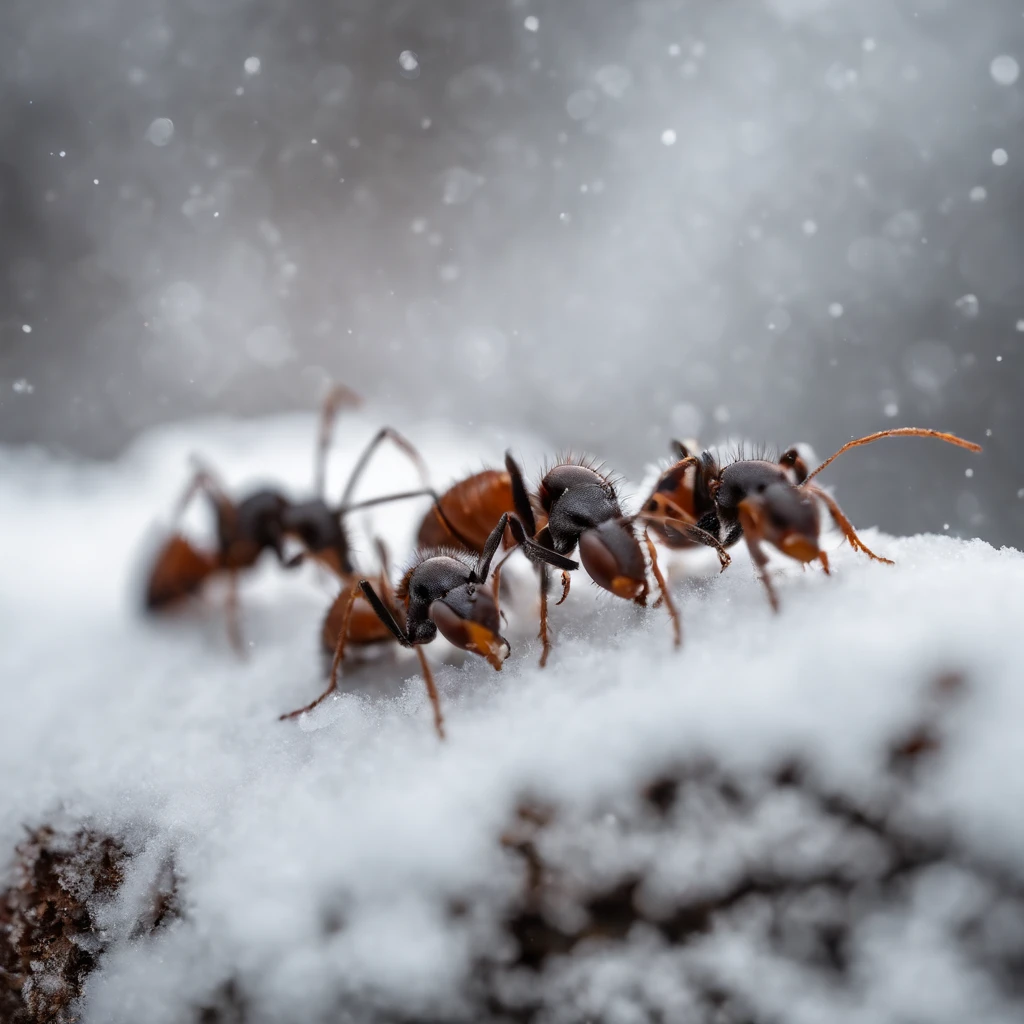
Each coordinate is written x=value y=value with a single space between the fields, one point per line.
x=580 y=508
x=446 y=592
x=461 y=519
x=262 y=521
x=763 y=502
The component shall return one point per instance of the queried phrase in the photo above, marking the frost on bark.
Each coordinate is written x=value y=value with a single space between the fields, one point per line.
x=51 y=935
x=48 y=941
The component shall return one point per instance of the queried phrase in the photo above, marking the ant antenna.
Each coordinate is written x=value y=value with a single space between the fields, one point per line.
x=898 y=432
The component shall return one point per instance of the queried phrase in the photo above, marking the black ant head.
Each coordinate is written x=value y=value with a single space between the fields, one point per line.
x=746 y=478
x=575 y=497
x=468 y=618
x=613 y=559
x=442 y=592
x=788 y=518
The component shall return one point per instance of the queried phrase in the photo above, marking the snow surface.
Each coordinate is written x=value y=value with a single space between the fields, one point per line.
x=319 y=860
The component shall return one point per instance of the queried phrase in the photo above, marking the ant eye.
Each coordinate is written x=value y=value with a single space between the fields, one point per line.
x=760 y=488
x=420 y=592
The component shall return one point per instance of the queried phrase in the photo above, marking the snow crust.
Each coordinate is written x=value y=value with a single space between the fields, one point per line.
x=319 y=861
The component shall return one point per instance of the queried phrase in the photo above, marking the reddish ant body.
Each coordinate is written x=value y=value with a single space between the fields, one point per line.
x=443 y=592
x=579 y=507
x=462 y=518
x=263 y=521
x=763 y=502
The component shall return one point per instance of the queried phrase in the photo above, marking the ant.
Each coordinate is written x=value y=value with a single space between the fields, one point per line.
x=580 y=508
x=457 y=520
x=262 y=521
x=763 y=502
x=446 y=592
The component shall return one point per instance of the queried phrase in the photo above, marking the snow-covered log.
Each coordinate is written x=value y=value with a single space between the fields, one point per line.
x=809 y=816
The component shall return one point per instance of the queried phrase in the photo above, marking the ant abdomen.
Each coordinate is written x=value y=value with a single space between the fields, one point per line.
x=178 y=572
x=472 y=506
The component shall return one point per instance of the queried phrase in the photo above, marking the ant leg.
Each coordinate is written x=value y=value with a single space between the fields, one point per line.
x=677 y=629
x=203 y=480
x=337 y=398
x=520 y=495
x=387 y=595
x=752 y=535
x=543 y=634
x=384 y=613
x=823 y=558
x=231 y=614
x=483 y=563
x=496 y=575
x=700 y=535
x=844 y=524
x=384 y=557
x=535 y=551
x=385 y=434
x=435 y=700
x=339 y=652
x=566 y=580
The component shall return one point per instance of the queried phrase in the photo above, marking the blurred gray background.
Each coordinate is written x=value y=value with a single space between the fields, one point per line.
x=612 y=222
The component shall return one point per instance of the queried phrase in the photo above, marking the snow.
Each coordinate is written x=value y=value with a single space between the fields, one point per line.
x=321 y=862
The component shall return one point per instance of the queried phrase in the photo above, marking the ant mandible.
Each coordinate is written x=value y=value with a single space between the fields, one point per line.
x=580 y=508
x=262 y=521
x=444 y=592
x=763 y=502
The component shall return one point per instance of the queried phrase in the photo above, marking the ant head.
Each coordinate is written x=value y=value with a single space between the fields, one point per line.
x=576 y=498
x=788 y=519
x=612 y=557
x=566 y=476
x=468 y=617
